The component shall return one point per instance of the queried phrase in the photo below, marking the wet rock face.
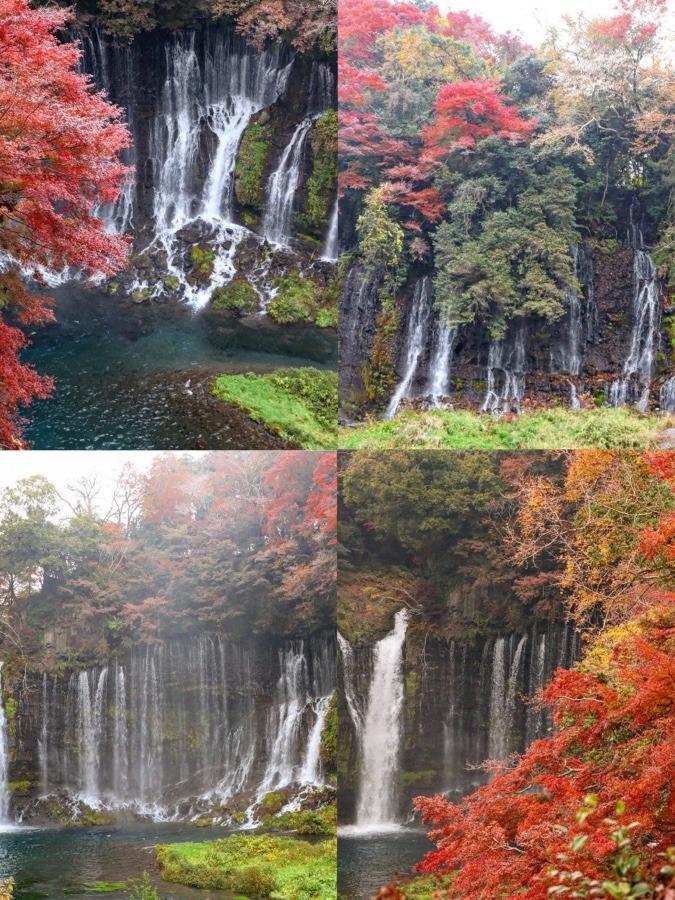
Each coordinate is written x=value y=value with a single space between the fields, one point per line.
x=463 y=703
x=189 y=99
x=185 y=728
x=573 y=361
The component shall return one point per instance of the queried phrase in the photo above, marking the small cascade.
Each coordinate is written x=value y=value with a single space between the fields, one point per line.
x=356 y=712
x=330 y=247
x=120 y=736
x=43 y=741
x=4 y=759
x=536 y=683
x=382 y=732
x=506 y=373
x=667 y=396
x=282 y=188
x=506 y=671
x=311 y=765
x=441 y=363
x=635 y=384
x=568 y=357
x=416 y=339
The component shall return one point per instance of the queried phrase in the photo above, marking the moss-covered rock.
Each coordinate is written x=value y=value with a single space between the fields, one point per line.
x=329 y=736
x=323 y=178
x=251 y=166
x=300 y=299
x=238 y=296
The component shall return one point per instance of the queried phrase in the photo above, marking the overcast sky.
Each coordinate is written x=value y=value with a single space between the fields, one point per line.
x=531 y=17
x=63 y=467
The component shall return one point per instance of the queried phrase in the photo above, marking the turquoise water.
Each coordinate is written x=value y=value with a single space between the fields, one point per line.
x=55 y=863
x=125 y=373
x=367 y=862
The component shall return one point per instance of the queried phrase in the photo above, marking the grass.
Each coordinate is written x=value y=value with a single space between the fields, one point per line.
x=299 y=405
x=264 y=866
x=547 y=429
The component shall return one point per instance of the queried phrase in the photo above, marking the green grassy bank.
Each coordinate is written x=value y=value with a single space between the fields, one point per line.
x=254 y=866
x=299 y=405
x=546 y=429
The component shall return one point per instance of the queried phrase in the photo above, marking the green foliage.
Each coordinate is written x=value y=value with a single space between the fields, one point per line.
x=251 y=166
x=237 y=296
x=296 y=300
x=379 y=372
x=541 y=430
x=142 y=889
x=628 y=879
x=323 y=179
x=300 y=405
x=321 y=821
x=271 y=804
x=262 y=865
x=203 y=260
x=498 y=257
x=329 y=736
x=380 y=238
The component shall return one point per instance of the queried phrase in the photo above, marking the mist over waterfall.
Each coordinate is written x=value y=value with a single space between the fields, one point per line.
x=4 y=758
x=382 y=731
x=171 y=727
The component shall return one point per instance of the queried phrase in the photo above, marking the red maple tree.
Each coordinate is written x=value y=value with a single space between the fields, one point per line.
x=59 y=159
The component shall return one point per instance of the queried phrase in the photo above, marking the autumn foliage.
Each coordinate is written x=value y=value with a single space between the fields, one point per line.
x=59 y=159
x=597 y=796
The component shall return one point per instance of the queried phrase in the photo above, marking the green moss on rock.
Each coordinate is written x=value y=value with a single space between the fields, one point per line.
x=323 y=179
x=251 y=166
x=238 y=296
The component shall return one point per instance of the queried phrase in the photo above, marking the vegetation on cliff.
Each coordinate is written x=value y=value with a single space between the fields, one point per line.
x=300 y=405
x=469 y=155
x=255 y=865
x=238 y=543
x=414 y=531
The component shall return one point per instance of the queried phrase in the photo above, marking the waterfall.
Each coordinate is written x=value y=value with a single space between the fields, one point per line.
x=43 y=741
x=441 y=362
x=330 y=247
x=194 y=722
x=667 y=396
x=311 y=765
x=351 y=694
x=4 y=759
x=569 y=355
x=382 y=732
x=507 y=357
x=505 y=674
x=285 y=721
x=101 y=59
x=212 y=102
x=282 y=188
x=635 y=383
x=537 y=682
x=415 y=343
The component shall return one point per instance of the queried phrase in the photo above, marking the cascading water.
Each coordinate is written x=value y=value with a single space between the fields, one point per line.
x=330 y=247
x=354 y=706
x=506 y=373
x=282 y=187
x=635 y=384
x=418 y=324
x=667 y=396
x=4 y=759
x=441 y=362
x=212 y=102
x=178 y=725
x=382 y=732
